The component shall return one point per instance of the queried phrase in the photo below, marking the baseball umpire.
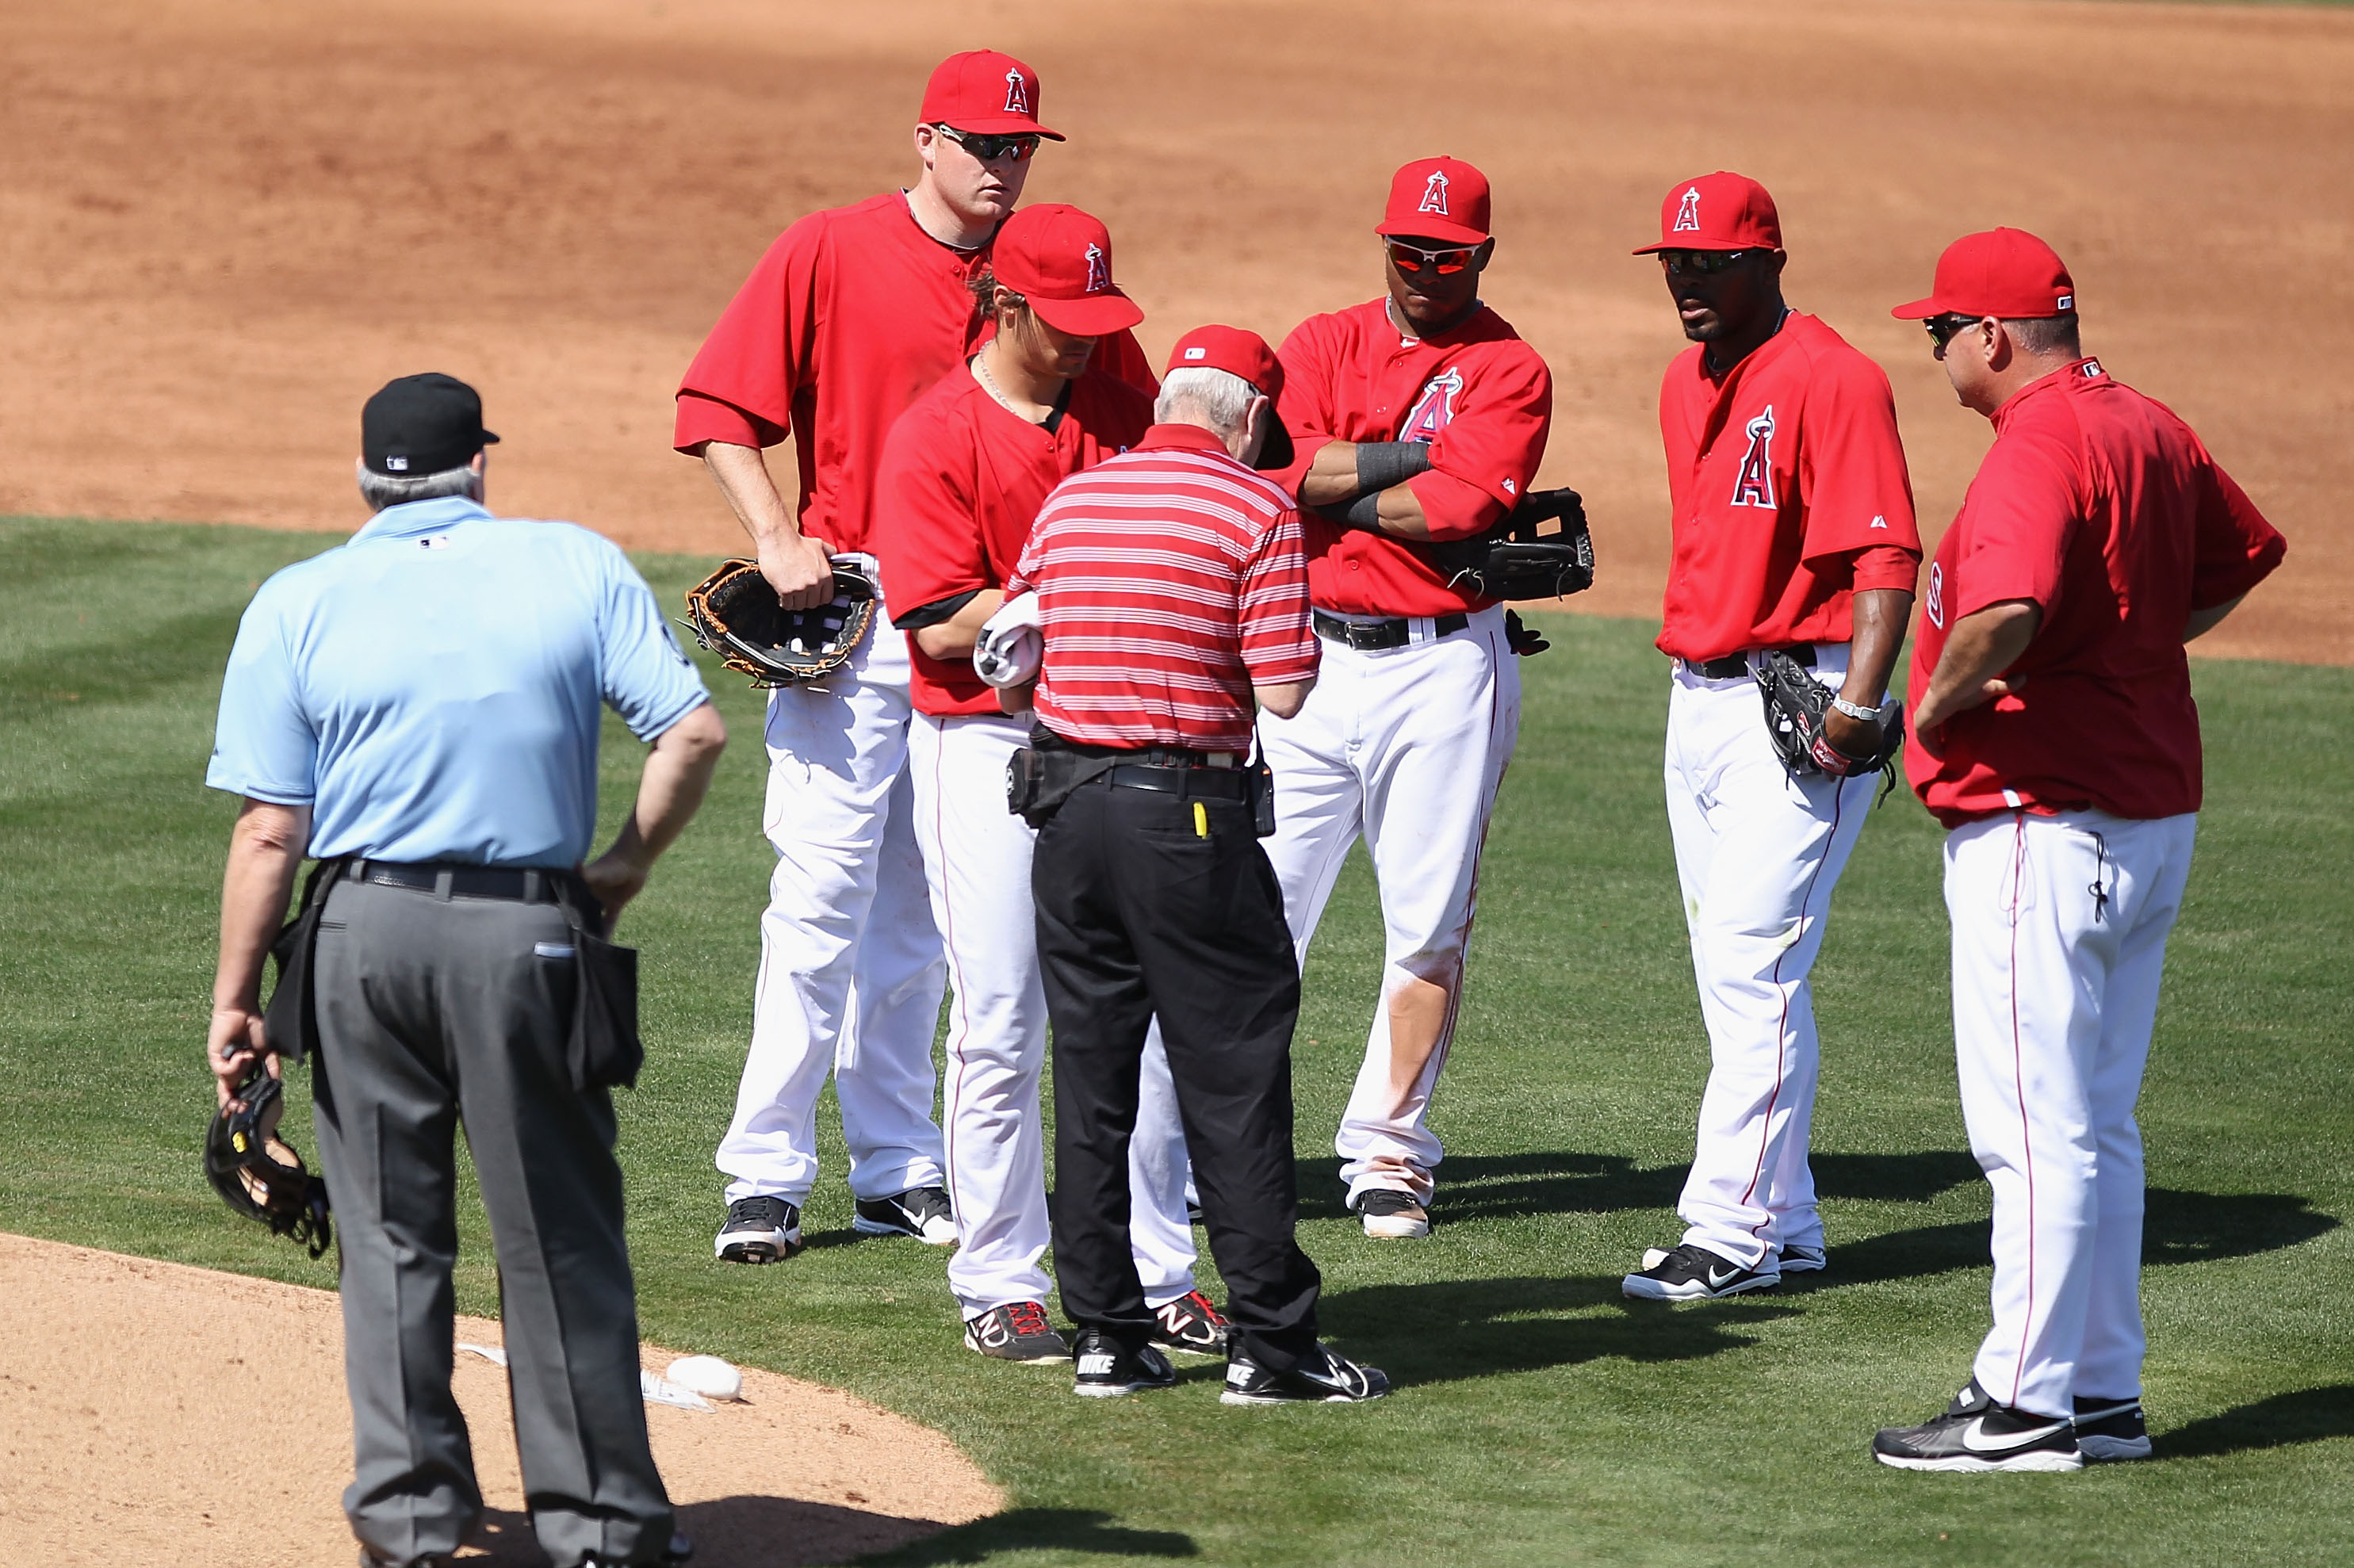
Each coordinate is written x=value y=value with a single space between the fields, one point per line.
x=1789 y=580
x=1416 y=417
x=388 y=711
x=1172 y=593
x=2056 y=737
x=850 y=316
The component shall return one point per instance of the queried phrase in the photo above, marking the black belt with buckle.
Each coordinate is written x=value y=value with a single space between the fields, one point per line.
x=1372 y=635
x=1223 y=784
x=1735 y=665
x=516 y=885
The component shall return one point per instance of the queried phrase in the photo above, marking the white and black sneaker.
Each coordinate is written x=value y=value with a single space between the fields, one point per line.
x=919 y=1212
x=1804 y=1260
x=1695 y=1274
x=1392 y=1215
x=1017 y=1332
x=2110 y=1429
x=1321 y=1377
x=1976 y=1434
x=758 y=1230
x=1106 y=1371
x=1190 y=1326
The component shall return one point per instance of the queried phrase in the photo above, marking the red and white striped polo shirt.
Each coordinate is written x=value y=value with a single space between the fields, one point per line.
x=1171 y=581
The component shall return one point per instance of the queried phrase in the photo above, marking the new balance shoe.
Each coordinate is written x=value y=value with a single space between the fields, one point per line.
x=1322 y=1377
x=1392 y=1215
x=1695 y=1274
x=758 y=1230
x=1017 y=1332
x=1976 y=1434
x=1104 y=1370
x=1804 y=1259
x=1190 y=1326
x=2109 y=1429
x=919 y=1212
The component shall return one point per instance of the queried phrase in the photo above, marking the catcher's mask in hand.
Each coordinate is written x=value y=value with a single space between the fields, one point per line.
x=259 y=1174
x=734 y=613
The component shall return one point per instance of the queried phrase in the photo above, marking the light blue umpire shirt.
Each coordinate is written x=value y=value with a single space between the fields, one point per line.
x=431 y=688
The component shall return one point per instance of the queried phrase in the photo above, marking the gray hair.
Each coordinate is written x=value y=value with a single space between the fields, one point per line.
x=1220 y=396
x=383 y=490
x=2044 y=335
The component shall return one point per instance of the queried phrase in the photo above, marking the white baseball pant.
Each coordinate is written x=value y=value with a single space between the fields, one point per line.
x=2060 y=925
x=849 y=966
x=1405 y=746
x=1757 y=853
x=977 y=860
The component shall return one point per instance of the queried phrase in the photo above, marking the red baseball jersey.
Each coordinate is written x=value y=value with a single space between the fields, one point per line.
x=2102 y=508
x=1171 y=581
x=1479 y=396
x=959 y=487
x=1788 y=493
x=851 y=315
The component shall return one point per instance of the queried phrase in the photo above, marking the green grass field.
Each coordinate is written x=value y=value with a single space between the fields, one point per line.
x=1541 y=1419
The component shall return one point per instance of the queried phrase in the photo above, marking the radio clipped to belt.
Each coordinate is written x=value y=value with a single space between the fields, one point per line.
x=1042 y=774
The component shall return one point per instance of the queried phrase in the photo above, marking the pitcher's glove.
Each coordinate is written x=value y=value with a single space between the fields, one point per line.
x=734 y=613
x=259 y=1174
x=1541 y=550
x=1795 y=706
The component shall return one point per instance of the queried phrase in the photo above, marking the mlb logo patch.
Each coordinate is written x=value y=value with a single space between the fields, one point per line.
x=2067 y=302
x=1197 y=353
x=397 y=464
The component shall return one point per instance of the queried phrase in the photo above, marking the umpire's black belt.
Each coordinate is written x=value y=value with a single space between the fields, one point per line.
x=1209 y=783
x=448 y=879
x=1735 y=665
x=1373 y=635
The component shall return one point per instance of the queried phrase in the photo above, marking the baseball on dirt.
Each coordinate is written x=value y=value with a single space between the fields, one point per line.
x=706 y=1375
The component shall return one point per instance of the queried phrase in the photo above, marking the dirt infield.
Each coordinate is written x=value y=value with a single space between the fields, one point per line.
x=222 y=224
x=154 y=1413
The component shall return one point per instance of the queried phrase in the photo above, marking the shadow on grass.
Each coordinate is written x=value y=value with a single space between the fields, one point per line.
x=1027 y=1528
x=2195 y=1227
x=2309 y=1415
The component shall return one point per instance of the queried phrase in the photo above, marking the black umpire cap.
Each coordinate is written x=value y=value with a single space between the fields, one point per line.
x=423 y=424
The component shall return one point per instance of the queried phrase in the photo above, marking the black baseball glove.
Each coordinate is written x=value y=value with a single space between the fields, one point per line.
x=1795 y=706
x=1541 y=550
x=734 y=613
x=259 y=1174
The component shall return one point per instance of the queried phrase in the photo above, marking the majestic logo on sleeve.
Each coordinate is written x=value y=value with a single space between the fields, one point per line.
x=1933 y=606
x=1435 y=409
x=1756 y=485
x=1098 y=269
x=1688 y=212
x=1017 y=93
x=1434 y=193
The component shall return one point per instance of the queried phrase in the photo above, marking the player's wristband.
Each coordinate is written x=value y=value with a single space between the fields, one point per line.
x=1381 y=464
x=1856 y=710
x=1362 y=515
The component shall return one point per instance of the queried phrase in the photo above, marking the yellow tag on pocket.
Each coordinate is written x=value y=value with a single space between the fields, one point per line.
x=1200 y=821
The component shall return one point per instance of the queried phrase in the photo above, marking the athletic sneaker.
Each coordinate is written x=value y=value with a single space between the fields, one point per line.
x=1804 y=1260
x=919 y=1212
x=2110 y=1429
x=1106 y=1370
x=759 y=1230
x=1392 y=1215
x=1976 y=1435
x=1695 y=1274
x=1322 y=1377
x=1191 y=1326
x=1017 y=1332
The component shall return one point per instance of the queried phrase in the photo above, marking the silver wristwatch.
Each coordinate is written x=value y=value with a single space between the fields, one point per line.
x=1856 y=710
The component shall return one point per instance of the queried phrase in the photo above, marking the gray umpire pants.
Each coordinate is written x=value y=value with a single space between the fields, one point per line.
x=434 y=1011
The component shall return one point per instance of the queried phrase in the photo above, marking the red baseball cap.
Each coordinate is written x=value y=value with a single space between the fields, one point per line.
x=1722 y=211
x=1060 y=258
x=2001 y=273
x=1232 y=349
x=986 y=93
x=1437 y=198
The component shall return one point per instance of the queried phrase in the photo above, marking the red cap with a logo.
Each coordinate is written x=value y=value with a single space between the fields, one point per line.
x=1722 y=211
x=986 y=93
x=1232 y=349
x=1060 y=260
x=1437 y=198
x=2002 y=273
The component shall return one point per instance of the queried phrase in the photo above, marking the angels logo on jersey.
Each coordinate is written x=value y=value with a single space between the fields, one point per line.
x=1098 y=269
x=1017 y=93
x=1688 y=212
x=1434 y=410
x=1755 y=487
x=1434 y=193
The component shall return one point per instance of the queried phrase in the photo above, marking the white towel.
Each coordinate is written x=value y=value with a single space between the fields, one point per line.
x=1011 y=644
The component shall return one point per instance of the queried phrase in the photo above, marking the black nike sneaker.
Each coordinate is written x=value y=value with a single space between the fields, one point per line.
x=1977 y=1435
x=1104 y=1370
x=758 y=1230
x=2109 y=1429
x=1320 y=1376
x=1695 y=1274
x=919 y=1212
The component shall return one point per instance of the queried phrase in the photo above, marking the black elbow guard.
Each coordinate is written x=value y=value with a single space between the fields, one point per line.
x=1381 y=464
x=1363 y=515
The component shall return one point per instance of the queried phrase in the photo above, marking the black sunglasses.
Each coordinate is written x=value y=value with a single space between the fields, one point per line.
x=1942 y=329
x=989 y=149
x=1707 y=263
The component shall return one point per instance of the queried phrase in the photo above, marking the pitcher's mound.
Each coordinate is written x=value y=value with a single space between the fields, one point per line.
x=155 y=1413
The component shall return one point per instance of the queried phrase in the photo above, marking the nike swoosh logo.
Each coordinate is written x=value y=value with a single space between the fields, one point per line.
x=1977 y=1430
x=1718 y=1281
